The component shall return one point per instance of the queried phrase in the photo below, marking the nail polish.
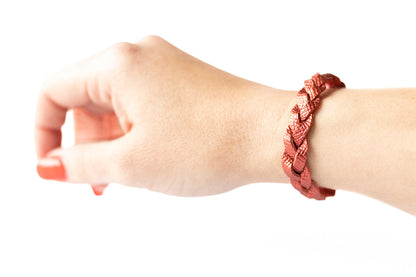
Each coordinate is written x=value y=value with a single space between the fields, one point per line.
x=51 y=168
x=98 y=189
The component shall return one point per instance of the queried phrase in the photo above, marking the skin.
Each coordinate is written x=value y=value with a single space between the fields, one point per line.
x=149 y=115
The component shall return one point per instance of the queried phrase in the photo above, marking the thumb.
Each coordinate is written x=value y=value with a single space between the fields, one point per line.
x=92 y=163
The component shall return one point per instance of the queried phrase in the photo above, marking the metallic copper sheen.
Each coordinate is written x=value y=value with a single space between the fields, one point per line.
x=294 y=160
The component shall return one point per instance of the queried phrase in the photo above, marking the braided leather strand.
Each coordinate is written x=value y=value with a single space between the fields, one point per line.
x=294 y=160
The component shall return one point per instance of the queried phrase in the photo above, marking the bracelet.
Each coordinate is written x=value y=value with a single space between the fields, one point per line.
x=294 y=160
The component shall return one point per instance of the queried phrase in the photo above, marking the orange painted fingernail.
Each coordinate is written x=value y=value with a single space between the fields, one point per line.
x=98 y=189
x=51 y=168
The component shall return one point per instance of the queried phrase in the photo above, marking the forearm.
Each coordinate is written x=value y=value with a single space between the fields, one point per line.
x=364 y=141
x=361 y=140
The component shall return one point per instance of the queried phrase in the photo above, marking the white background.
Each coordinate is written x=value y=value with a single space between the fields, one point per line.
x=49 y=228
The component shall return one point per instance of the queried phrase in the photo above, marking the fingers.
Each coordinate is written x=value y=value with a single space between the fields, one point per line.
x=85 y=84
x=99 y=189
x=64 y=90
x=90 y=128
x=80 y=85
x=93 y=163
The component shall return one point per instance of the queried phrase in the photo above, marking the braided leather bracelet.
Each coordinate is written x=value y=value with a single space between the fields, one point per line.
x=294 y=160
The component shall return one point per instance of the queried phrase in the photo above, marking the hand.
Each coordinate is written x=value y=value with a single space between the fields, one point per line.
x=149 y=115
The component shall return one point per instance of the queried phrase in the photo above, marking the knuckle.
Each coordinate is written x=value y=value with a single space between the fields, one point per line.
x=123 y=48
x=121 y=58
x=124 y=53
x=45 y=88
x=151 y=41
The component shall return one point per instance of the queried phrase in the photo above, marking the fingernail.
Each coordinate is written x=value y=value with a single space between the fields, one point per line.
x=98 y=189
x=51 y=168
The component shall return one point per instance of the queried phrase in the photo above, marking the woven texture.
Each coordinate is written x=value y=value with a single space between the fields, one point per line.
x=294 y=160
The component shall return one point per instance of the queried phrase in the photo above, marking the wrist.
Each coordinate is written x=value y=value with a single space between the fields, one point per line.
x=268 y=110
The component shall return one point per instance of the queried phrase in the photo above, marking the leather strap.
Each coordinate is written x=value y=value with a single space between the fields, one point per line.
x=294 y=160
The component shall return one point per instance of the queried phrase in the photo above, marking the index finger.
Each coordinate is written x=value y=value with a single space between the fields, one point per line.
x=61 y=92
